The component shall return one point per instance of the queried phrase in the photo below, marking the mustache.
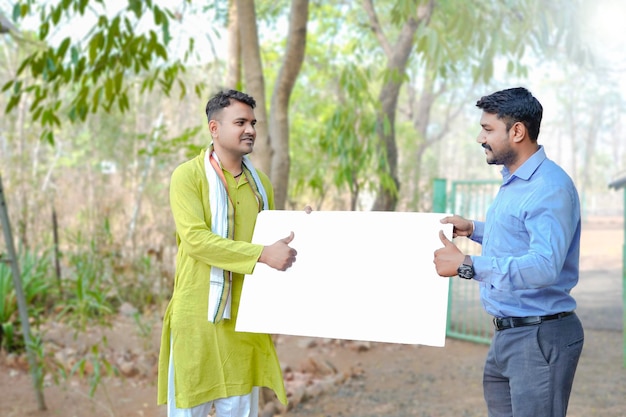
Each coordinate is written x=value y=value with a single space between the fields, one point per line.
x=484 y=145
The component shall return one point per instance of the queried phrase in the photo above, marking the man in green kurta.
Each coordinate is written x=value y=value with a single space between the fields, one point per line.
x=215 y=198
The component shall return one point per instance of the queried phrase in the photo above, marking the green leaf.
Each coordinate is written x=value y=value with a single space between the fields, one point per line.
x=82 y=6
x=13 y=102
x=158 y=16
x=119 y=80
x=79 y=69
x=20 y=10
x=74 y=55
x=47 y=136
x=109 y=89
x=510 y=67
x=135 y=7
x=44 y=28
x=94 y=46
x=97 y=95
x=123 y=102
x=27 y=62
x=17 y=11
x=160 y=51
x=72 y=114
x=183 y=89
x=36 y=66
x=63 y=47
x=50 y=65
x=8 y=85
x=56 y=15
x=37 y=113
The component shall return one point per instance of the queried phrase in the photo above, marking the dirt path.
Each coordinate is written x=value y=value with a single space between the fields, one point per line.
x=379 y=379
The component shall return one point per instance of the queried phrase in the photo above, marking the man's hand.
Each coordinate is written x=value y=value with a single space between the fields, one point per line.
x=461 y=226
x=449 y=258
x=280 y=255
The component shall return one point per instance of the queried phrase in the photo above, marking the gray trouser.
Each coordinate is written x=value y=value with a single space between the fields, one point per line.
x=529 y=370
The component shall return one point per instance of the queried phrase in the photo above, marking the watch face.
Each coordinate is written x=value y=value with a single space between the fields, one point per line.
x=466 y=271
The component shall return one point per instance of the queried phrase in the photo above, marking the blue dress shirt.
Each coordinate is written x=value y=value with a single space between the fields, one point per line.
x=530 y=242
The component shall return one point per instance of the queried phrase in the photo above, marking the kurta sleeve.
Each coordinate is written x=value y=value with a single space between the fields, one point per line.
x=189 y=203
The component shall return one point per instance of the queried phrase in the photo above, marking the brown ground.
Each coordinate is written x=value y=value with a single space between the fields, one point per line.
x=359 y=379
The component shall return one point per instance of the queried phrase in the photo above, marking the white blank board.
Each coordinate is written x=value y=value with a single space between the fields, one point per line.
x=358 y=275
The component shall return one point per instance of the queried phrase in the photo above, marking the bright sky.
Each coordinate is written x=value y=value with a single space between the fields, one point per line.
x=605 y=30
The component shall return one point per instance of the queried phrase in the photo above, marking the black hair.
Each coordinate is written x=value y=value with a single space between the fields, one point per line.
x=514 y=105
x=223 y=99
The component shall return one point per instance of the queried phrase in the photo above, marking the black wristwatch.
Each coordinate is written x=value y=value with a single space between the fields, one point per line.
x=466 y=269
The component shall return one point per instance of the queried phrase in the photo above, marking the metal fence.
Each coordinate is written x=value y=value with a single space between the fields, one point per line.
x=467 y=320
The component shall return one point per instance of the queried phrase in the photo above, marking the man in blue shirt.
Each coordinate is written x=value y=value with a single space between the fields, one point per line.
x=528 y=265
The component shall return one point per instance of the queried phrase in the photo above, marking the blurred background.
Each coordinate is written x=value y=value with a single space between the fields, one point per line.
x=362 y=105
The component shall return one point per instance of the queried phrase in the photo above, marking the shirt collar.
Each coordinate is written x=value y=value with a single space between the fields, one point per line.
x=526 y=170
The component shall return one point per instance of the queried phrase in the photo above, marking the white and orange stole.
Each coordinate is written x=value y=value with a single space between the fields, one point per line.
x=223 y=224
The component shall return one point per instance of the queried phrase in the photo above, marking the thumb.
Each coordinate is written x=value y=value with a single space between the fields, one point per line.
x=288 y=239
x=444 y=239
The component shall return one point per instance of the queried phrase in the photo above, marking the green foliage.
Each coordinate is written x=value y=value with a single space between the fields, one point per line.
x=85 y=292
x=97 y=68
x=94 y=366
x=169 y=146
x=89 y=297
x=475 y=34
x=134 y=283
x=461 y=43
x=37 y=284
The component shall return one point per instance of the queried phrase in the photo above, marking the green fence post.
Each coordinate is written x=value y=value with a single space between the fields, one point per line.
x=440 y=202
x=624 y=283
x=440 y=195
x=620 y=183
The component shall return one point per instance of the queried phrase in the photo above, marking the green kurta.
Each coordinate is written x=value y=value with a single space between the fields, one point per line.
x=212 y=360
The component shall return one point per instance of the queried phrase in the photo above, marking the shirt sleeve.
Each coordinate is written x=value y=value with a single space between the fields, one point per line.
x=479 y=230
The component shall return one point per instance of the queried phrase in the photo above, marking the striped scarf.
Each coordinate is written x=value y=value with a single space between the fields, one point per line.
x=223 y=224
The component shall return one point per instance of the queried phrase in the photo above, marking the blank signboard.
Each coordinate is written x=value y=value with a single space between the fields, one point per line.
x=358 y=276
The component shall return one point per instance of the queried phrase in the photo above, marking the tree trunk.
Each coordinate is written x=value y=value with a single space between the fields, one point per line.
x=255 y=84
x=420 y=112
x=397 y=58
x=233 y=59
x=279 y=114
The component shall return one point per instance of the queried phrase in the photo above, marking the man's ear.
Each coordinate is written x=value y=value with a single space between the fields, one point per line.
x=213 y=127
x=518 y=132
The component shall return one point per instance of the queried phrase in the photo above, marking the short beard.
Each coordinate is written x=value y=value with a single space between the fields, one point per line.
x=507 y=158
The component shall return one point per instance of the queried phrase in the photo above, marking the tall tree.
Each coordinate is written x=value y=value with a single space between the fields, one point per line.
x=255 y=81
x=272 y=144
x=279 y=115
x=397 y=54
x=442 y=37
x=233 y=56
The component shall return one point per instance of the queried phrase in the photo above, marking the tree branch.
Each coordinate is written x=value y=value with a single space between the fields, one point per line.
x=376 y=28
